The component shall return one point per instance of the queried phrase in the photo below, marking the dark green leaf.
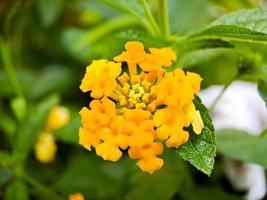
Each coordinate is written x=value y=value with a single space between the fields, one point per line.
x=228 y=32
x=189 y=45
x=253 y=19
x=262 y=88
x=46 y=83
x=5 y=175
x=165 y=183
x=200 y=150
x=208 y=193
x=17 y=190
x=31 y=127
x=93 y=177
x=240 y=145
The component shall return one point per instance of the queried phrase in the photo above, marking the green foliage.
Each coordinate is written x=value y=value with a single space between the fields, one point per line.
x=165 y=183
x=95 y=178
x=200 y=150
x=31 y=128
x=49 y=11
x=253 y=19
x=229 y=32
x=17 y=190
x=240 y=145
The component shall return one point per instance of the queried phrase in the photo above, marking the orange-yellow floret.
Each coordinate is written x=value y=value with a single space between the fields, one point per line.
x=76 y=196
x=139 y=110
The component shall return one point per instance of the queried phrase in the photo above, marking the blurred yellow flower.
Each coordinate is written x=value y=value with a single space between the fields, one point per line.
x=76 y=196
x=58 y=117
x=45 y=148
x=139 y=109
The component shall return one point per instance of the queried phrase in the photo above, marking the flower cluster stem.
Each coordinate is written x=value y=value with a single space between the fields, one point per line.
x=150 y=17
x=164 y=17
x=6 y=59
x=42 y=189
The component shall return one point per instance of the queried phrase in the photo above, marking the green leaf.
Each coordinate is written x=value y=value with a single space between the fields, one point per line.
x=46 y=83
x=17 y=190
x=262 y=88
x=200 y=150
x=96 y=179
x=70 y=133
x=49 y=11
x=165 y=182
x=5 y=175
x=78 y=42
x=208 y=193
x=197 y=57
x=133 y=7
x=253 y=19
x=18 y=106
x=233 y=33
x=32 y=125
x=240 y=145
x=189 y=45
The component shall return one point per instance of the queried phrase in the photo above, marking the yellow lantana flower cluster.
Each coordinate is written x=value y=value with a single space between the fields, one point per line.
x=45 y=148
x=140 y=108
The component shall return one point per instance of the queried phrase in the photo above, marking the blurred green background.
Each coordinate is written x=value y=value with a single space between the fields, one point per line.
x=46 y=46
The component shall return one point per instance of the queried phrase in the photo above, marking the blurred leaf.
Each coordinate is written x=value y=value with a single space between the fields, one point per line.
x=77 y=42
x=7 y=124
x=240 y=145
x=70 y=132
x=143 y=37
x=95 y=178
x=5 y=175
x=198 y=57
x=253 y=19
x=31 y=127
x=164 y=183
x=49 y=11
x=233 y=33
x=17 y=190
x=189 y=45
x=54 y=78
x=262 y=88
x=200 y=150
x=133 y=7
x=208 y=193
x=19 y=107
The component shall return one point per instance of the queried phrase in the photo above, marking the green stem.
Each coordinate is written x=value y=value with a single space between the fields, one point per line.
x=150 y=17
x=42 y=189
x=11 y=73
x=164 y=17
x=216 y=100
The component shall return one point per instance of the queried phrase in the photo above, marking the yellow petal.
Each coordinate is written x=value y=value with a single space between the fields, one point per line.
x=197 y=122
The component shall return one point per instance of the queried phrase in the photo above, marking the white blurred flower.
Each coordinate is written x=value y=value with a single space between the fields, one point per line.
x=240 y=108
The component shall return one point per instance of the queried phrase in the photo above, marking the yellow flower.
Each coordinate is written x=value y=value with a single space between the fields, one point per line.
x=100 y=78
x=157 y=59
x=45 y=148
x=76 y=196
x=59 y=117
x=141 y=109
